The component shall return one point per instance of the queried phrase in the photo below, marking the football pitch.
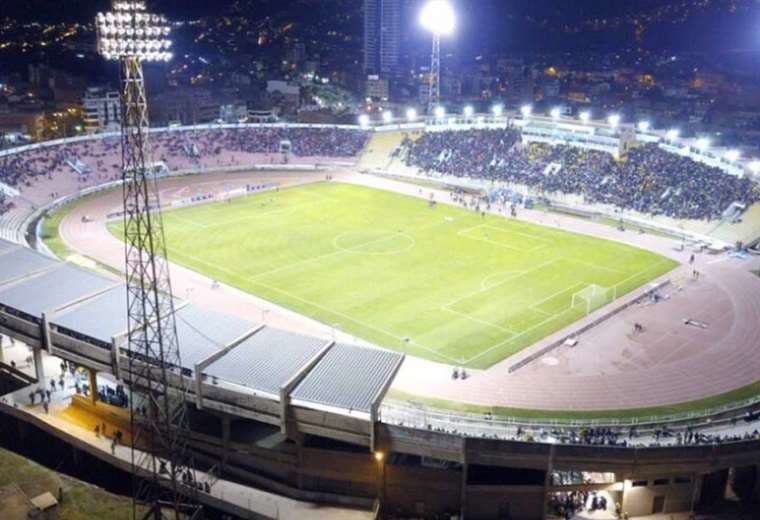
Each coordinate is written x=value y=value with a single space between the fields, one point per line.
x=441 y=283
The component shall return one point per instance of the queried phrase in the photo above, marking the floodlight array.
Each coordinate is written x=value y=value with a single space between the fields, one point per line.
x=128 y=31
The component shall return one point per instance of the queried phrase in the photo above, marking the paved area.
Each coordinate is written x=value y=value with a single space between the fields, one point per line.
x=611 y=368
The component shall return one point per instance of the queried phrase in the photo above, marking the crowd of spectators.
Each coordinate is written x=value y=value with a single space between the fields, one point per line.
x=99 y=160
x=647 y=179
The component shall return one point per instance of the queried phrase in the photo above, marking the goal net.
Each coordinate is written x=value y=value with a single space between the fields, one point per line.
x=592 y=297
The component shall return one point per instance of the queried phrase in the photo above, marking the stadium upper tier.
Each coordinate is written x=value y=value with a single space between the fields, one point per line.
x=46 y=170
x=647 y=179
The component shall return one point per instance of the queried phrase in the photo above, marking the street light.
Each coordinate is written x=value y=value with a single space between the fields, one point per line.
x=733 y=155
x=437 y=16
x=614 y=120
x=555 y=113
x=585 y=116
x=644 y=126
x=387 y=117
x=411 y=115
x=364 y=120
x=754 y=167
x=439 y=112
x=526 y=111
x=673 y=134
x=468 y=111
x=498 y=110
x=703 y=143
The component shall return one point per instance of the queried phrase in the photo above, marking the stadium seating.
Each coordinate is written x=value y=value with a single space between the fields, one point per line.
x=648 y=179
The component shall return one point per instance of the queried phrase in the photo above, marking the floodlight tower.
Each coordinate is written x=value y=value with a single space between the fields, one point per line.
x=132 y=36
x=437 y=17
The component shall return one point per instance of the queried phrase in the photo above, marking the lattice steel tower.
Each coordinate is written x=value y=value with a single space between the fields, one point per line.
x=132 y=36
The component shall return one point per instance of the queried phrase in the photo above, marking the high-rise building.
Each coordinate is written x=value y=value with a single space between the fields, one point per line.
x=101 y=110
x=382 y=36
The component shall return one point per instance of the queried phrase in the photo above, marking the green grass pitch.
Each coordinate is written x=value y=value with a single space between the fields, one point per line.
x=440 y=283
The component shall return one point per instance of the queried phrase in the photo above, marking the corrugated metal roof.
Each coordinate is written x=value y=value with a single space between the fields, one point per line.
x=101 y=317
x=52 y=289
x=202 y=332
x=16 y=262
x=266 y=360
x=348 y=377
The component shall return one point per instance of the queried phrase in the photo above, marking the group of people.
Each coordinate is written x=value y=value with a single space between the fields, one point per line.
x=96 y=161
x=647 y=179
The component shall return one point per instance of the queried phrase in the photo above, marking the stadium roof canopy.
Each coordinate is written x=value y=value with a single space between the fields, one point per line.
x=88 y=305
x=266 y=360
x=102 y=317
x=16 y=261
x=349 y=377
x=52 y=289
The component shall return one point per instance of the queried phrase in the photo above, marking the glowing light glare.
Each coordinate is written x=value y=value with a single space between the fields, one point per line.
x=754 y=166
x=526 y=110
x=498 y=110
x=411 y=115
x=468 y=111
x=733 y=155
x=364 y=120
x=614 y=120
x=387 y=117
x=439 y=112
x=555 y=113
x=644 y=126
x=673 y=134
x=438 y=17
x=703 y=143
x=129 y=31
x=379 y=456
x=585 y=116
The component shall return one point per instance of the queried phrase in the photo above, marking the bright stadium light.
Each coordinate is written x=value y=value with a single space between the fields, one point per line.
x=497 y=110
x=438 y=17
x=411 y=115
x=585 y=116
x=555 y=113
x=439 y=112
x=673 y=134
x=644 y=126
x=733 y=155
x=703 y=143
x=754 y=166
x=526 y=111
x=468 y=111
x=387 y=117
x=129 y=31
x=614 y=120
x=364 y=120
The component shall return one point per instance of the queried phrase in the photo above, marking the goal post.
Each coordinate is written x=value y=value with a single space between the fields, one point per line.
x=592 y=297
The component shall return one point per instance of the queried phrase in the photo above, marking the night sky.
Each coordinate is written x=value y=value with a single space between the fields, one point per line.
x=494 y=25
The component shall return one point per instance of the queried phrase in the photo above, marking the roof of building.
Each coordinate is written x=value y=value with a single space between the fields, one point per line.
x=101 y=317
x=52 y=289
x=266 y=360
x=202 y=332
x=16 y=262
x=348 y=377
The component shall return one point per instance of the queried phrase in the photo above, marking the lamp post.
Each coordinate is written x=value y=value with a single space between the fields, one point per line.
x=437 y=17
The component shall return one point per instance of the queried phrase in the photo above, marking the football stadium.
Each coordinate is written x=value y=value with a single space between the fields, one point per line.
x=482 y=314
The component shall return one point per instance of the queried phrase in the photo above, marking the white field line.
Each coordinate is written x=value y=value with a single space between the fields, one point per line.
x=465 y=233
x=350 y=318
x=478 y=320
x=502 y=282
x=551 y=317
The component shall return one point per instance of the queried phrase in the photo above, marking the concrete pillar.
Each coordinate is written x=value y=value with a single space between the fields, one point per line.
x=93 y=385
x=2 y=346
x=39 y=368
